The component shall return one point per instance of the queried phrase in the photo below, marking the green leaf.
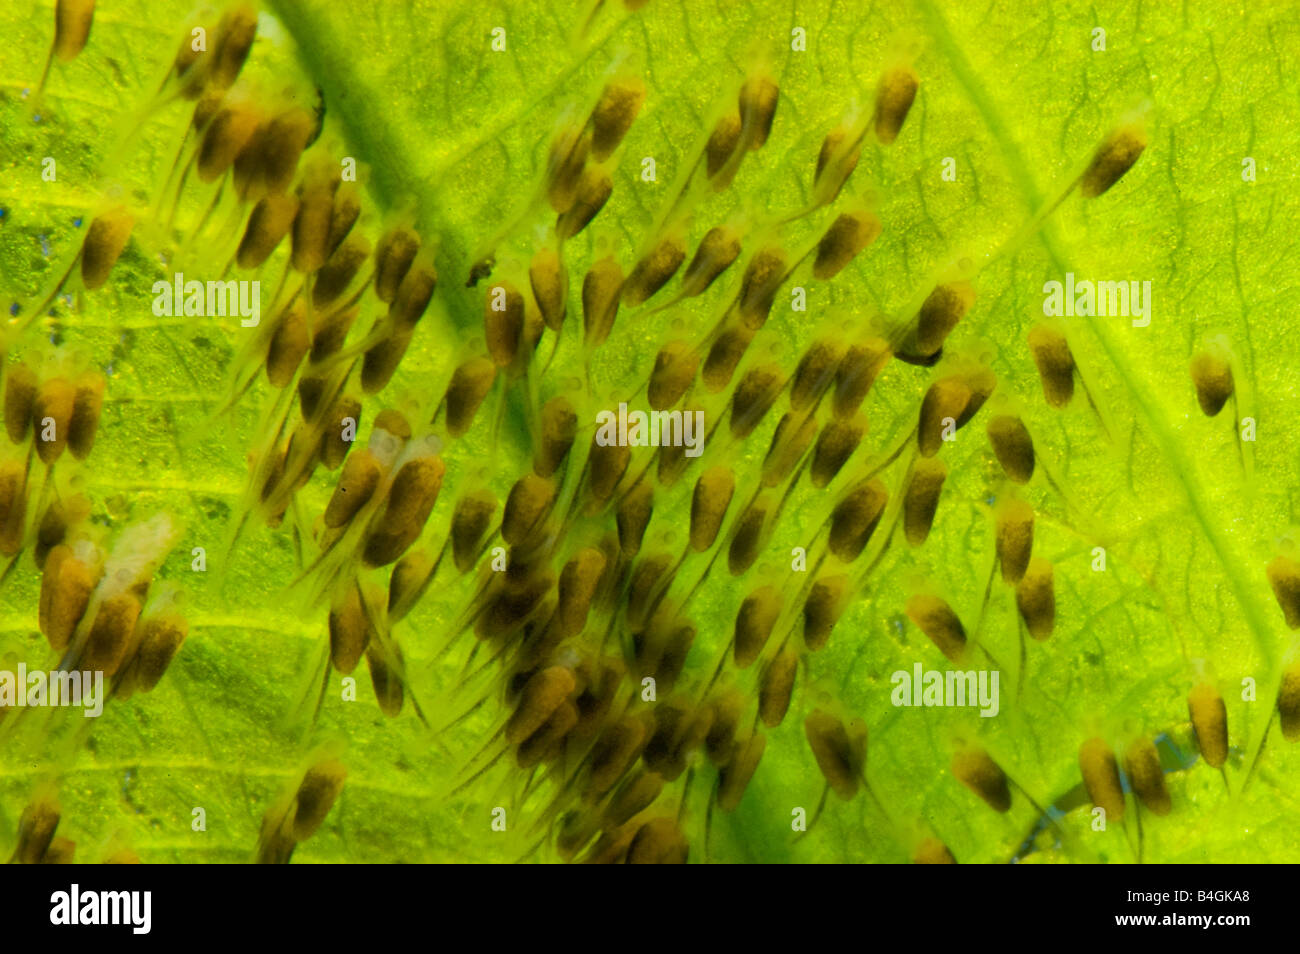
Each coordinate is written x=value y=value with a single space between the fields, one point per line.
x=455 y=134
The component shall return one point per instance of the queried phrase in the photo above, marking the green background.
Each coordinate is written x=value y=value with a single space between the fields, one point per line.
x=456 y=133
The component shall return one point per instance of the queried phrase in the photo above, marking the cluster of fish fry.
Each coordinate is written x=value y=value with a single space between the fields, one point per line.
x=592 y=644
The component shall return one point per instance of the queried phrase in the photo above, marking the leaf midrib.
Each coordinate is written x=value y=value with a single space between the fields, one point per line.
x=1229 y=557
